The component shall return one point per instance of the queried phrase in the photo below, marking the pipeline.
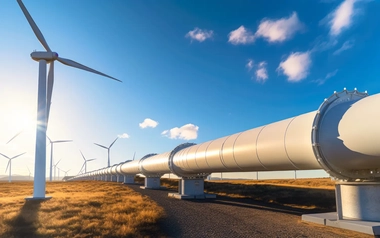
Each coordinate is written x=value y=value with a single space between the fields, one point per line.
x=340 y=137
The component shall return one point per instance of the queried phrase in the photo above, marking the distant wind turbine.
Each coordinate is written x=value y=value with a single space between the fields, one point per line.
x=66 y=172
x=58 y=172
x=10 y=165
x=108 y=149
x=85 y=163
x=29 y=171
x=45 y=90
x=55 y=167
x=51 y=153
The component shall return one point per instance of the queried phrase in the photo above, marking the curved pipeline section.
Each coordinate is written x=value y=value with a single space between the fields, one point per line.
x=340 y=137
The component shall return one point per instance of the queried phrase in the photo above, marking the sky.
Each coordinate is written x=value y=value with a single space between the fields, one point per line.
x=192 y=71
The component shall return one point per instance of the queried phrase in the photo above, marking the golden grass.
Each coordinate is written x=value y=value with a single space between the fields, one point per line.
x=311 y=194
x=77 y=209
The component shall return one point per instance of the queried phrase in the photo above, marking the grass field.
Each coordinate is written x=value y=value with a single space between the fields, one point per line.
x=105 y=209
x=77 y=209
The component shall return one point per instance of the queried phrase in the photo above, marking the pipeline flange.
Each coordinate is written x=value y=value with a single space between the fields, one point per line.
x=143 y=171
x=329 y=103
x=172 y=167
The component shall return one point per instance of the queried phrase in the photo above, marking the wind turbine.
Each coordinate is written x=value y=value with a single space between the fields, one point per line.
x=66 y=172
x=55 y=166
x=29 y=171
x=51 y=153
x=85 y=163
x=45 y=90
x=58 y=172
x=10 y=165
x=108 y=149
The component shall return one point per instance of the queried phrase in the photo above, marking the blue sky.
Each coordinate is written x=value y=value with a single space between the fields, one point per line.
x=199 y=70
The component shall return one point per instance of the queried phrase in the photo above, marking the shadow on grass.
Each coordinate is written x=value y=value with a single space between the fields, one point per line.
x=25 y=224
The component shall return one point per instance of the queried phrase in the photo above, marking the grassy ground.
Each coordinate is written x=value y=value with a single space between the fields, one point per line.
x=77 y=209
x=308 y=194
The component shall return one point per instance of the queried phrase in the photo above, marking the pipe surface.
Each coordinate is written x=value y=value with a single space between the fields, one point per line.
x=340 y=137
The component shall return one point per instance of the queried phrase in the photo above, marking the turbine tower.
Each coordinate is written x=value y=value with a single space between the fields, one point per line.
x=10 y=165
x=85 y=163
x=55 y=167
x=51 y=153
x=45 y=90
x=108 y=150
x=29 y=171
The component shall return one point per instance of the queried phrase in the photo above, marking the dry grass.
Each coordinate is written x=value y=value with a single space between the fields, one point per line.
x=308 y=194
x=77 y=209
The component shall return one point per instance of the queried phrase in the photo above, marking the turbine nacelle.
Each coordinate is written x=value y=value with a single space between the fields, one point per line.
x=43 y=55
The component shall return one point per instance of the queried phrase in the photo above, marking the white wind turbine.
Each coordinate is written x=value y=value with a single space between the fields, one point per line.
x=10 y=165
x=51 y=153
x=66 y=172
x=55 y=167
x=45 y=90
x=108 y=150
x=85 y=163
x=29 y=171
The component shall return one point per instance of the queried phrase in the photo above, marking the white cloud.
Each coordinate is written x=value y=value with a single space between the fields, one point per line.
x=199 y=34
x=323 y=80
x=123 y=136
x=296 y=66
x=241 y=36
x=148 y=123
x=261 y=72
x=249 y=65
x=346 y=45
x=186 y=132
x=279 y=30
x=341 y=17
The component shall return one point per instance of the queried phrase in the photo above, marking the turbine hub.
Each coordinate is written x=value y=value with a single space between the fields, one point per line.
x=43 y=55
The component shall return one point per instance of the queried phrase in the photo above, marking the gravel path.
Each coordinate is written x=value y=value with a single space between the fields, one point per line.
x=231 y=217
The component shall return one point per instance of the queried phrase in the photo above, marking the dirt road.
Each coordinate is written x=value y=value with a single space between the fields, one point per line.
x=232 y=217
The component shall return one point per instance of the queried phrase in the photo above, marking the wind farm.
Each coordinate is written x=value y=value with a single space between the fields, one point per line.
x=206 y=96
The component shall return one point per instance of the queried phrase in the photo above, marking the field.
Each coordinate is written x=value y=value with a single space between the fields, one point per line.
x=108 y=209
x=77 y=209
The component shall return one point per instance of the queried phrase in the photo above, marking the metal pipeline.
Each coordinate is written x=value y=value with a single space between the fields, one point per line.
x=339 y=137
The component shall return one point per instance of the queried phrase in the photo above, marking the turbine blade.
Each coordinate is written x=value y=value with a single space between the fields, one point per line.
x=4 y=156
x=101 y=146
x=28 y=169
x=34 y=26
x=134 y=156
x=82 y=156
x=14 y=157
x=90 y=160
x=14 y=137
x=57 y=163
x=9 y=161
x=49 y=92
x=61 y=141
x=113 y=142
x=83 y=67
x=48 y=139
